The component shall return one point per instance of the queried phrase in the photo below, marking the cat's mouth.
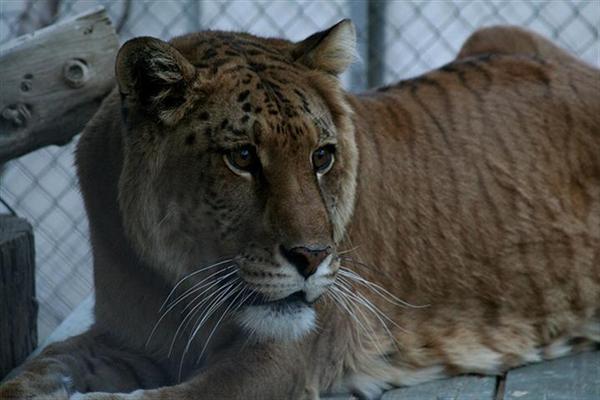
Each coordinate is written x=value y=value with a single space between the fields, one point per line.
x=294 y=300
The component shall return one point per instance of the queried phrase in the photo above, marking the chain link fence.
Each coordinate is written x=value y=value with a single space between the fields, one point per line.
x=397 y=40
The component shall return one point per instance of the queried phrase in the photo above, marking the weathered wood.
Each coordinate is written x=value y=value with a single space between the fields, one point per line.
x=53 y=80
x=18 y=308
x=460 y=388
x=569 y=378
x=79 y=321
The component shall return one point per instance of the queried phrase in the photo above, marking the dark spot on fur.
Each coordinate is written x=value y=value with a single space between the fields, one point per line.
x=190 y=139
x=217 y=63
x=257 y=67
x=273 y=85
x=247 y=107
x=224 y=123
x=210 y=53
x=244 y=119
x=258 y=110
x=204 y=116
x=257 y=133
x=243 y=96
x=300 y=94
x=273 y=112
x=290 y=112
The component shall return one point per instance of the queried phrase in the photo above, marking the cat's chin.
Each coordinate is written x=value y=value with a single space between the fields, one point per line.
x=287 y=322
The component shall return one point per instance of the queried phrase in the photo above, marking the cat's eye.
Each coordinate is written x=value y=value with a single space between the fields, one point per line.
x=242 y=159
x=322 y=158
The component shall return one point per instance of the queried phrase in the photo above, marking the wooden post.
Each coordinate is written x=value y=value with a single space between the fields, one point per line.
x=53 y=81
x=18 y=307
x=375 y=40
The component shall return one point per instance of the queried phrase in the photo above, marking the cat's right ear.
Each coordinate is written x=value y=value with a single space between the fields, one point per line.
x=154 y=77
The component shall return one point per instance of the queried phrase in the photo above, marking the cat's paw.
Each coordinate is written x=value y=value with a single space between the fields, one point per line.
x=20 y=389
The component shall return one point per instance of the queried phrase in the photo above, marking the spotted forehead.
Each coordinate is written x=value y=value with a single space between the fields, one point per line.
x=265 y=88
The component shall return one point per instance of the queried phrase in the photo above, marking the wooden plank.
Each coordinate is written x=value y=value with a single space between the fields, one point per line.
x=569 y=378
x=459 y=388
x=18 y=308
x=53 y=81
x=80 y=320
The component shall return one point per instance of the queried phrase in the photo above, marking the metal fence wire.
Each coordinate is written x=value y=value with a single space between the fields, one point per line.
x=396 y=40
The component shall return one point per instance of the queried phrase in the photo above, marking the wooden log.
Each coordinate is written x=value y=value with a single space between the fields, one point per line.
x=53 y=81
x=18 y=308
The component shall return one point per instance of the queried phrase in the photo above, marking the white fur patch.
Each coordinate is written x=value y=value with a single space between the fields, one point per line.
x=367 y=386
x=481 y=359
x=409 y=377
x=317 y=283
x=281 y=325
x=531 y=356
x=558 y=348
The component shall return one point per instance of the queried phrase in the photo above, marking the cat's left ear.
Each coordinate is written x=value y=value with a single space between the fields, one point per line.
x=331 y=50
x=155 y=78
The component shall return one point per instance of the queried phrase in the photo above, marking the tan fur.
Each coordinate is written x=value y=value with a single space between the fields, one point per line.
x=471 y=193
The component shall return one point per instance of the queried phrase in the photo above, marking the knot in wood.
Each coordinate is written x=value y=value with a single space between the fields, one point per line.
x=17 y=114
x=76 y=73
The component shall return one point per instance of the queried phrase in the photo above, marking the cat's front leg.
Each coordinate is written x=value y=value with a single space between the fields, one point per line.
x=262 y=373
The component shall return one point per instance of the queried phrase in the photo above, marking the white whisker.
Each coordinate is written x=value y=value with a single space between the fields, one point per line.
x=385 y=294
x=189 y=276
x=185 y=322
x=169 y=212
x=340 y=301
x=191 y=302
x=361 y=300
x=252 y=331
x=368 y=330
x=340 y=253
x=211 y=310
x=221 y=318
x=215 y=282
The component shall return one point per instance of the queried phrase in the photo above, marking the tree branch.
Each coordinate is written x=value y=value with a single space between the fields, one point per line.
x=53 y=81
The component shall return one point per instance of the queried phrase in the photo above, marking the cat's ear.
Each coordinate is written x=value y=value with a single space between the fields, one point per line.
x=331 y=50
x=155 y=78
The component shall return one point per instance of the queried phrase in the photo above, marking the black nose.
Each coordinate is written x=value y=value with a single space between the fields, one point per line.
x=306 y=259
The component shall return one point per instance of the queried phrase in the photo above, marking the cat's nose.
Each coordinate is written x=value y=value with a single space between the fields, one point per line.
x=306 y=259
